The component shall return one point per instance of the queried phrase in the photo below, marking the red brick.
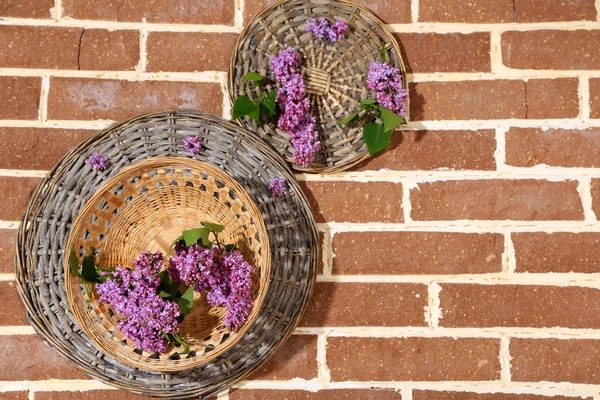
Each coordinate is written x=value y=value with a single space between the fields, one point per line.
x=104 y=50
x=505 y=199
x=447 y=253
x=451 y=52
x=595 y=98
x=465 y=305
x=296 y=358
x=392 y=12
x=20 y=97
x=91 y=395
x=12 y=311
x=8 y=240
x=170 y=11
x=435 y=150
x=38 y=9
x=540 y=252
x=435 y=395
x=547 y=49
x=331 y=394
x=73 y=98
x=33 y=148
x=14 y=396
x=476 y=11
x=347 y=201
x=555 y=360
x=527 y=147
x=552 y=10
x=413 y=359
x=552 y=98
x=15 y=194
x=487 y=99
x=26 y=357
x=595 y=189
x=189 y=52
x=366 y=304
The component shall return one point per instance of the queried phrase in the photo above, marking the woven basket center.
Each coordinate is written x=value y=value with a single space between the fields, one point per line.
x=317 y=81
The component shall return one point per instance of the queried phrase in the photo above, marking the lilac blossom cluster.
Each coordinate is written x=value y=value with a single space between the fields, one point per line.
x=296 y=119
x=387 y=82
x=97 y=161
x=322 y=29
x=225 y=276
x=277 y=187
x=133 y=295
x=192 y=144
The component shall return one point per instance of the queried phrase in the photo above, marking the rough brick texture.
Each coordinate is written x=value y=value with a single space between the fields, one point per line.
x=521 y=305
x=366 y=304
x=14 y=396
x=333 y=394
x=555 y=360
x=595 y=189
x=439 y=395
x=346 y=201
x=15 y=193
x=20 y=97
x=530 y=200
x=91 y=395
x=528 y=147
x=73 y=98
x=551 y=10
x=297 y=358
x=8 y=238
x=439 y=253
x=595 y=98
x=12 y=312
x=39 y=9
x=412 y=359
x=436 y=150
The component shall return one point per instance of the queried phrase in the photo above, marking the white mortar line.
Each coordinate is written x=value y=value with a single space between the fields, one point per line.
x=433 y=312
x=227 y=106
x=473 y=124
x=23 y=173
x=16 y=330
x=328 y=254
x=323 y=373
x=441 y=332
x=114 y=25
x=238 y=16
x=505 y=358
x=204 y=76
x=56 y=385
x=509 y=259
x=585 y=192
x=597 y=4
x=224 y=395
x=7 y=277
x=9 y=224
x=142 y=64
x=496 y=51
x=95 y=125
x=500 y=152
x=450 y=27
x=43 y=111
x=499 y=72
x=31 y=395
x=414 y=11
x=584 y=97
x=596 y=396
x=407 y=186
x=406 y=393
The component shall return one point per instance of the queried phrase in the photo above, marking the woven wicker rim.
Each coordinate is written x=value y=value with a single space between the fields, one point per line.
x=292 y=232
x=103 y=334
x=342 y=146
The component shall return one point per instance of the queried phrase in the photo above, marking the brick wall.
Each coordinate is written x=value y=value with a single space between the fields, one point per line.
x=462 y=263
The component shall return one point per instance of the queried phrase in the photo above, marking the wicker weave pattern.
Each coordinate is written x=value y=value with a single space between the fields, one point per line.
x=42 y=242
x=335 y=74
x=146 y=207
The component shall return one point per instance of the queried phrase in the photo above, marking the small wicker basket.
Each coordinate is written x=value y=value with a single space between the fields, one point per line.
x=146 y=207
x=335 y=74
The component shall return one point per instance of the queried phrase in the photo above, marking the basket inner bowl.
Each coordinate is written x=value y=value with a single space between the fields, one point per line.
x=147 y=209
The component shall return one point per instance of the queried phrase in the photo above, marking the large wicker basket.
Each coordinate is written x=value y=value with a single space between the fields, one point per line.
x=335 y=74
x=146 y=207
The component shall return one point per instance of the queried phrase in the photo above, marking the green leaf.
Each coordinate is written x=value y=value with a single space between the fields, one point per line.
x=179 y=339
x=269 y=102
x=368 y=102
x=213 y=227
x=255 y=111
x=390 y=119
x=230 y=247
x=253 y=76
x=349 y=118
x=164 y=294
x=89 y=272
x=167 y=337
x=74 y=263
x=186 y=302
x=376 y=138
x=174 y=289
x=244 y=106
x=193 y=235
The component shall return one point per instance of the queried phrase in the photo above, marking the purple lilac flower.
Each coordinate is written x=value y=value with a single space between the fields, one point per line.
x=277 y=186
x=285 y=64
x=192 y=144
x=337 y=31
x=293 y=115
x=132 y=294
x=97 y=161
x=318 y=27
x=387 y=82
x=226 y=278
